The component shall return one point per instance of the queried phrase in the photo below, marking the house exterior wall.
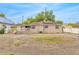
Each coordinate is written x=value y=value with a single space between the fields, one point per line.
x=1 y=26
x=26 y=30
x=71 y=30
x=8 y=29
x=41 y=28
x=52 y=29
x=18 y=28
x=59 y=30
x=36 y=29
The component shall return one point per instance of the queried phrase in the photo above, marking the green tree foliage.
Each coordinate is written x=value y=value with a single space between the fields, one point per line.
x=49 y=16
x=2 y=15
x=29 y=21
x=40 y=16
x=45 y=16
x=59 y=22
x=74 y=25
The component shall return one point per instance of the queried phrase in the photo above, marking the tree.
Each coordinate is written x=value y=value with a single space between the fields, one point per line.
x=2 y=15
x=74 y=25
x=40 y=16
x=29 y=21
x=45 y=16
x=49 y=16
x=59 y=22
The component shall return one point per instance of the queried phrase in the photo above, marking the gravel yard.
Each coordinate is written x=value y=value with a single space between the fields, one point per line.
x=30 y=44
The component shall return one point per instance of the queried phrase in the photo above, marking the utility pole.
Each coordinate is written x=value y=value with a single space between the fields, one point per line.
x=22 y=19
x=22 y=22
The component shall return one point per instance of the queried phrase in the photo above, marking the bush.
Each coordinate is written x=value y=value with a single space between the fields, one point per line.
x=2 y=31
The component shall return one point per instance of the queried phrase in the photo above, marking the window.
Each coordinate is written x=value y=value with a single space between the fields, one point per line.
x=33 y=27
x=27 y=26
x=46 y=26
x=57 y=27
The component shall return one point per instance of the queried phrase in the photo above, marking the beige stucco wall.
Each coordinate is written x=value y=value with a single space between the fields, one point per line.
x=1 y=26
x=8 y=28
x=50 y=29
x=37 y=29
x=60 y=30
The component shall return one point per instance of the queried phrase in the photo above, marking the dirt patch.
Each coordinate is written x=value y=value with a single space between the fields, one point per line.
x=36 y=44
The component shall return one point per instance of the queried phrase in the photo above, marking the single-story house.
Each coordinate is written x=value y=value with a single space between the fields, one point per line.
x=38 y=27
x=42 y=27
x=16 y=28
x=5 y=24
x=71 y=29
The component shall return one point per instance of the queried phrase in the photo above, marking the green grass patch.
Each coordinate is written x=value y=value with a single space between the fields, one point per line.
x=18 y=42
x=54 y=40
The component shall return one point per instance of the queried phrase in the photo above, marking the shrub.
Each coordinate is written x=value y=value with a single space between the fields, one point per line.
x=2 y=31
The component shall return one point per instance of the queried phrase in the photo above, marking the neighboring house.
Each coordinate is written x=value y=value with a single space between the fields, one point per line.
x=1 y=26
x=43 y=27
x=5 y=24
x=71 y=29
x=8 y=28
x=17 y=28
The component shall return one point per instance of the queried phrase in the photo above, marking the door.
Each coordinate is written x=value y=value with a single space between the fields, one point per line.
x=40 y=29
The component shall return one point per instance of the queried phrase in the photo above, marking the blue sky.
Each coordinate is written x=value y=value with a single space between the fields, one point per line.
x=67 y=12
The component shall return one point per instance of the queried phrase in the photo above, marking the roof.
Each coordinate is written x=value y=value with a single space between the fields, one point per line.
x=5 y=21
x=41 y=23
x=38 y=23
